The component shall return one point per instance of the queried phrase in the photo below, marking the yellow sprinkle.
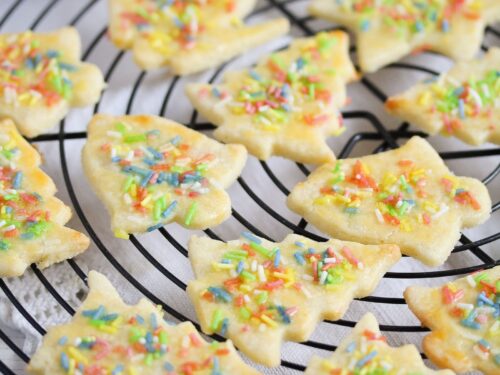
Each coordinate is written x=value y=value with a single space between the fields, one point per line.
x=281 y=275
x=77 y=356
x=245 y=288
x=146 y=200
x=132 y=371
x=430 y=206
x=339 y=131
x=405 y=225
x=388 y=180
x=72 y=366
x=120 y=233
x=268 y=321
x=324 y=200
x=424 y=99
x=222 y=266
x=108 y=329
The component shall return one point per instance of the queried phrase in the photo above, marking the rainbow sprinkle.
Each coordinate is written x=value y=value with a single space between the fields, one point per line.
x=456 y=102
x=22 y=216
x=410 y=18
x=477 y=309
x=149 y=164
x=174 y=22
x=256 y=275
x=129 y=344
x=281 y=90
x=401 y=199
x=30 y=75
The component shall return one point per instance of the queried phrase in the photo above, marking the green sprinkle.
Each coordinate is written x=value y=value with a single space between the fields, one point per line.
x=121 y=127
x=157 y=209
x=262 y=297
x=148 y=360
x=261 y=249
x=247 y=275
x=4 y=245
x=132 y=138
x=191 y=213
x=217 y=318
x=163 y=338
x=128 y=183
x=245 y=313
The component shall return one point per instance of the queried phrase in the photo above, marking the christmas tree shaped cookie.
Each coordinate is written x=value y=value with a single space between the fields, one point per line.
x=150 y=171
x=287 y=105
x=42 y=77
x=187 y=35
x=465 y=102
x=464 y=316
x=388 y=30
x=405 y=196
x=365 y=351
x=31 y=218
x=106 y=336
x=260 y=293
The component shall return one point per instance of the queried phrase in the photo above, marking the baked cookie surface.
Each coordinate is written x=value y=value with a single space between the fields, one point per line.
x=405 y=196
x=150 y=171
x=106 y=336
x=260 y=293
x=31 y=218
x=465 y=322
x=365 y=351
x=388 y=30
x=464 y=102
x=187 y=36
x=42 y=77
x=288 y=104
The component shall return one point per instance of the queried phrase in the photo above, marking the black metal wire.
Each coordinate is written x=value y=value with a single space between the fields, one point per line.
x=388 y=139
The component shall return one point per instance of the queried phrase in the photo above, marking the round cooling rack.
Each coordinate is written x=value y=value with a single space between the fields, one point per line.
x=155 y=264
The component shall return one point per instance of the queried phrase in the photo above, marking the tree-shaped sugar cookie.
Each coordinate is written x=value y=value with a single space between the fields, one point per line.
x=42 y=77
x=406 y=196
x=365 y=351
x=107 y=336
x=388 y=30
x=31 y=218
x=288 y=104
x=464 y=316
x=187 y=35
x=149 y=171
x=463 y=102
x=260 y=293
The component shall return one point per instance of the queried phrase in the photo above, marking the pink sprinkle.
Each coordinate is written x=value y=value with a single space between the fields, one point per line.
x=154 y=178
x=291 y=311
x=349 y=256
x=138 y=152
x=482 y=318
x=195 y=340
x=203 y=92
x=105 y=349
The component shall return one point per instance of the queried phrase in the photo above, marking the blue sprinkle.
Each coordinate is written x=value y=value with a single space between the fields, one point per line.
x=497 y=359
x=136 y=170
x=311 y=250
x=239 y=267
x=29 y=63
x=110 y=317
x=17 y=181
x=139 y=319
x=461 y=108
x=168 y=366
x=249 y=236
x=365 y=25
x=351 y=210
x=146 y=179
x=27 y=236
x=284 y=316
x=149 y=337
x=458 y=91
x=52 y=53
x=350 y=348
x=485 y=344
x=300 y=63
x=299 y=258
x=482 y=297
x=277 y=258
x=169 y=209
x=255 y=75
x=116 y=159
x=225 y=261
x=67 y=67
x=300 y=244
x=215 y=92
x=220 y=294
x=224 y=326
x=216 y=364
x=445 y=26
x=157 y=155
x=8 y=209
x=470 y=324
x=154 y=227
x=419 y=26
x=64 y=361
x=148 y=161
x=367 y=358
x=63 y=340
x=154 y=322
x=118 y=369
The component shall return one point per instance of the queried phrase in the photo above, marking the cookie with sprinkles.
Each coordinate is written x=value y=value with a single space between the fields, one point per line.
x=31 y=219
x=42 y=77
x=464 y=316
x=388 y=30
x=107 y=336
x=288 y=104
x=188 y=36
x=150 y=171
x=365 y=351
x=464 y=102
x=406 y=196
x=260 y=293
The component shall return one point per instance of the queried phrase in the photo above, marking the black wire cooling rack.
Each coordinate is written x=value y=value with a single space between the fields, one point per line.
x=384 y=137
